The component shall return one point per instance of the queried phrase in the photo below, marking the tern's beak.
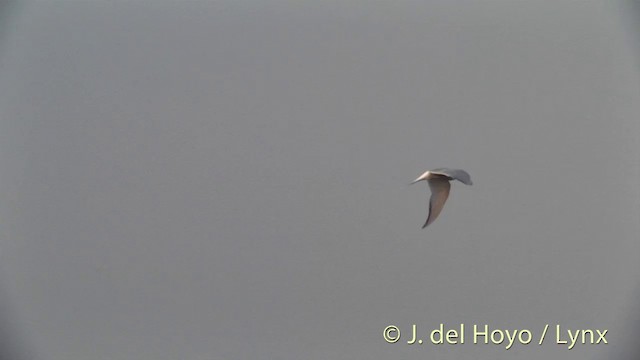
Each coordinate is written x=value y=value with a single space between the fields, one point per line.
x=422 y=177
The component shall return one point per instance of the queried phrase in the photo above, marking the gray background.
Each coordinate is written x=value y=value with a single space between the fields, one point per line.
x=229 y=179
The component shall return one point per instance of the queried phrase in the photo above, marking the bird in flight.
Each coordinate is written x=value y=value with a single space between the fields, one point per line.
x=438 y=180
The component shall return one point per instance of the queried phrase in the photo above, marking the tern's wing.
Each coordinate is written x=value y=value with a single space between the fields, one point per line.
x=457 y=174
x=439 y=193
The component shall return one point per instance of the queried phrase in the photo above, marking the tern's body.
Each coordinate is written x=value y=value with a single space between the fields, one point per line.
x=438 y=180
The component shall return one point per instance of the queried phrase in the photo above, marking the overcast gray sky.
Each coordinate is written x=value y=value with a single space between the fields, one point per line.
x=229 y=179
